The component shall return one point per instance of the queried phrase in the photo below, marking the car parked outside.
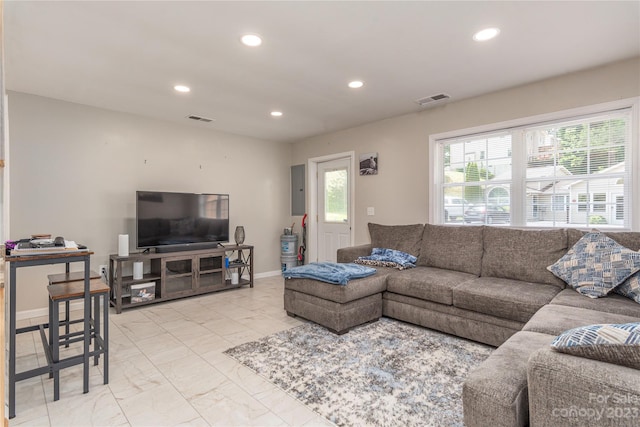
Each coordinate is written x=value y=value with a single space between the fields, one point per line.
x=454 y=208
x=486 y=214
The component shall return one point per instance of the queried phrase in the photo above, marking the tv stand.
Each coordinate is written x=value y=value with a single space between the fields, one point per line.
x=173 y=275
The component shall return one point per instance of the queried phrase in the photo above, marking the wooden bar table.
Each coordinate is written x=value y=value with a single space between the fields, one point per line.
x=21 y=261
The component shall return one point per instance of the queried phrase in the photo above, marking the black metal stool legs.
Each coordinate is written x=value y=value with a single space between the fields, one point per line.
x=97 y=327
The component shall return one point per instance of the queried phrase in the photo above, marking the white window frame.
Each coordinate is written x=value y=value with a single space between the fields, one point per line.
x=436 y=155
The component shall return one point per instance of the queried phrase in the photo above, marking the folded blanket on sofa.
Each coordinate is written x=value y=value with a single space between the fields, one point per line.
x=330 y=272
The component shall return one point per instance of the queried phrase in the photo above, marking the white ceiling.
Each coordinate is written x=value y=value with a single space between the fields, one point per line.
x=127 y=56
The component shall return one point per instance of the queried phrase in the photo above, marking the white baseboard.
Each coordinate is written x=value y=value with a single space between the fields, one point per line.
x=44 y=312
x=267 y=274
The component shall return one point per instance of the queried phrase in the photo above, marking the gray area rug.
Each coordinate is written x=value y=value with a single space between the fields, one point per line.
x=386 y=373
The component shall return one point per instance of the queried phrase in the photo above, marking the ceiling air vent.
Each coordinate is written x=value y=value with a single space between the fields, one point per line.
x=200 y=118
x=427 y=101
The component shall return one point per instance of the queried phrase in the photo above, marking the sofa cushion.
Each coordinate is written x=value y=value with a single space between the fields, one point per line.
x=554 y=319
x=452 y=248
x=612 y=343
x=355 y=289
x=628 y=239
x=432 y=284
x=612 y=303
x=506 y=298
x=351 y=253
x=495 y=393
x=596 y=264
x=523 y=254
x=405 y=238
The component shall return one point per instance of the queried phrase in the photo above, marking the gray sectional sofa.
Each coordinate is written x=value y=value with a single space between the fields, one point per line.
x=490 y=284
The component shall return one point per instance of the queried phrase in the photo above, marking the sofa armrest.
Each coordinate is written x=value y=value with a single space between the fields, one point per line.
x=352 y=253
x=566 y=390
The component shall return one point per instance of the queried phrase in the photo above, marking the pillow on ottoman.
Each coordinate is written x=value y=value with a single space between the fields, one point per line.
x=596 y=264
x=619 y=344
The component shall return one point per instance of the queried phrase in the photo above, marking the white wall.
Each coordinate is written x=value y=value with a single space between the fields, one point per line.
x=75 y=170
x=399 y=193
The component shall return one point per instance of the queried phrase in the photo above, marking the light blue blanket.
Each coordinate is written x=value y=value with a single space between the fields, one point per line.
x=330 y=272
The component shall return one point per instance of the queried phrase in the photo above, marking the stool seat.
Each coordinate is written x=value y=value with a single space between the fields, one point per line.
x=73 y=276
x=64 y=288
x=76 y=289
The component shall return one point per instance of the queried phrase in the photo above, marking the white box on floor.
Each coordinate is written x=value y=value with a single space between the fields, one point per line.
x=142 y=292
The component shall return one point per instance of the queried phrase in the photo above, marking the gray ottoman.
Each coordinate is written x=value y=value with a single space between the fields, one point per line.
x=337 y=308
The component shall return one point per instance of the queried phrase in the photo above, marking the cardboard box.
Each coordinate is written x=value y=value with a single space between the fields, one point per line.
x=142 y=292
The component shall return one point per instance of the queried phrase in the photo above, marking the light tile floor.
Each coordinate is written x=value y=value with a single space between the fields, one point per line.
x=167 y=368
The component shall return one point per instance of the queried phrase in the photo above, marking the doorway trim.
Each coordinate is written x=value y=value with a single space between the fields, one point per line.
x=312 y=185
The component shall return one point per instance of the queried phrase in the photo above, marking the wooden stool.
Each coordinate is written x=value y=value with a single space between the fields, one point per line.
x=75 y=276
x=66 y=292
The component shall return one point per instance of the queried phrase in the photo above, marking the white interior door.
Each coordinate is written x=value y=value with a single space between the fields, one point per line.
x=334 y=210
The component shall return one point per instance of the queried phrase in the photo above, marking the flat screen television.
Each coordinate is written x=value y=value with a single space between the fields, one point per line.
x=181 y=221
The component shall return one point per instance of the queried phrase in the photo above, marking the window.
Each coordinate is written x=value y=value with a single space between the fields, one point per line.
x=600 y=202
x=476 y=181
x=335 y=195
x=559 y=203
x=620 y=208
x=213 y=206
x=582 y=202
x=567 y=172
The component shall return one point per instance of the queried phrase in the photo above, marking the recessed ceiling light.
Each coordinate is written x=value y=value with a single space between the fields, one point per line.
x=356 y=84
x=182 y=88
x=486 y=34
x=276 y=113
x=251 y=40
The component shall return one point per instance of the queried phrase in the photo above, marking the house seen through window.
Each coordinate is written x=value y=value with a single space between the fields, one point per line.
x=565 y=173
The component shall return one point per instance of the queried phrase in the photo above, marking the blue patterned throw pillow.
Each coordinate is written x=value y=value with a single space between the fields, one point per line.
x=596 y=265
x=630 y=288
x=390 y=256
x=374 y=263
x=611 y=343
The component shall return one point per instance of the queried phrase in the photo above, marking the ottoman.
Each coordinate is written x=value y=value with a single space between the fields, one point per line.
x=336 y=307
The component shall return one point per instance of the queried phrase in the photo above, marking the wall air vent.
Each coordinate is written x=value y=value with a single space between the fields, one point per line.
x=428 y=101
x=200 y=118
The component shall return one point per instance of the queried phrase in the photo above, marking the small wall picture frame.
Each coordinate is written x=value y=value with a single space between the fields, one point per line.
x=369 y=164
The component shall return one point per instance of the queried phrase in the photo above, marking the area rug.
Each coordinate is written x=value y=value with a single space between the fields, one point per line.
x=386 y=373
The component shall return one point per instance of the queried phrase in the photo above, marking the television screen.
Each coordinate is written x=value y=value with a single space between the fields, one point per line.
x=181 y=220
